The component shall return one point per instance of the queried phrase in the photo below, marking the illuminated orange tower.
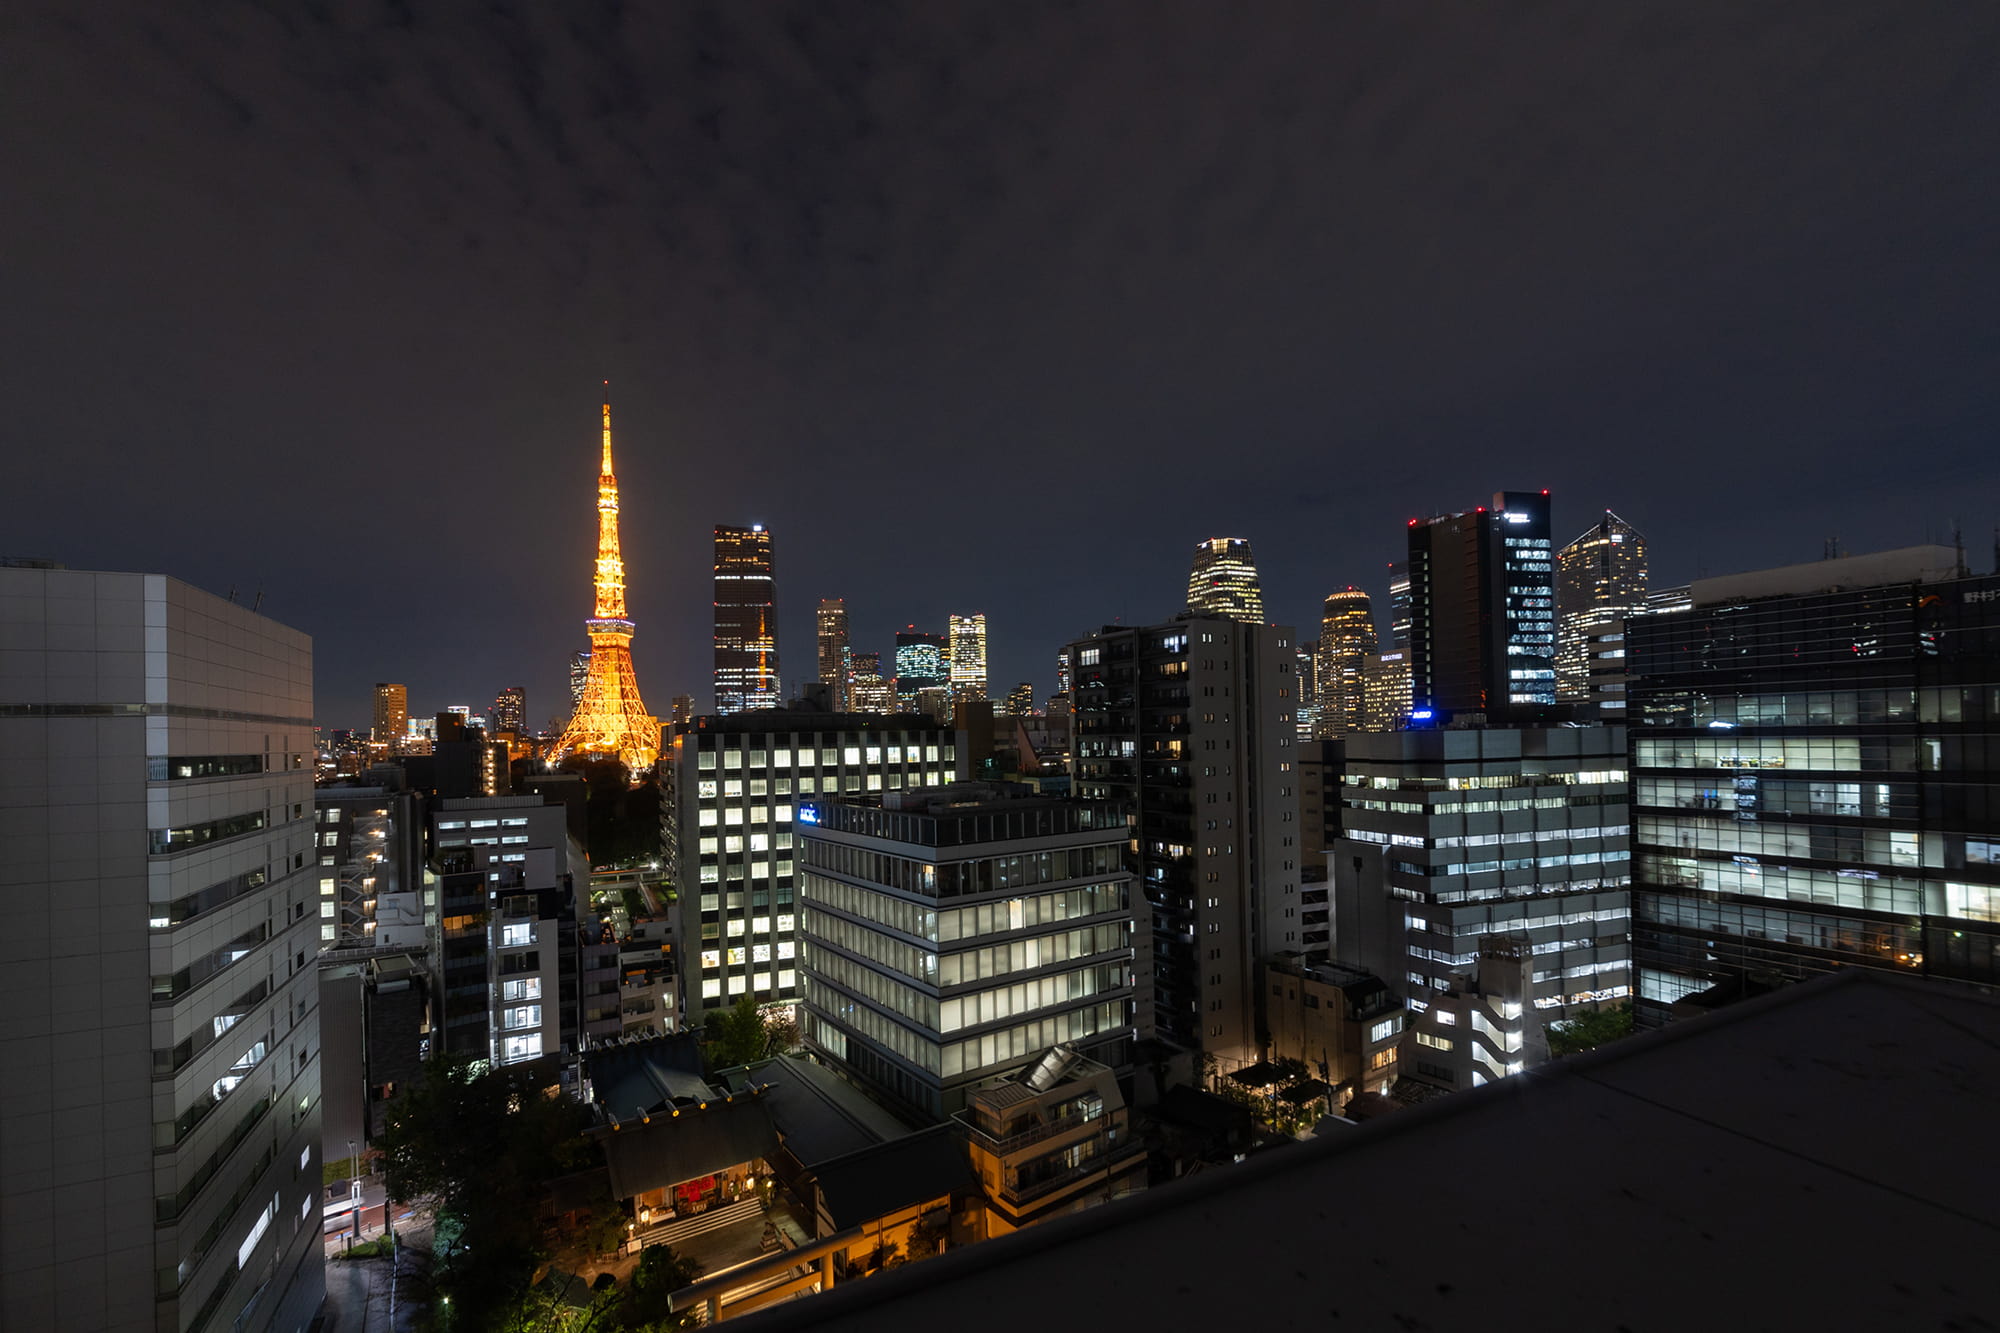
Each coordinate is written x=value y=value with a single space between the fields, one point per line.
x=610 y=719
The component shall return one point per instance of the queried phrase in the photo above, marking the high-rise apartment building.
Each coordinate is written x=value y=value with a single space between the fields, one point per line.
x=160 y=1118
x=831 y=624
x=922 y=663
x=967 y=637
x=1450 y=837
x=1189 y=725
x=392 y=718
x=1600 y=580
x=1346 y=642
x=746 y=621
x=1027 y=922
x=1223 y=581
x=1064 y=676
x=1482 y=608
x=737 y=783
x=1021 y=700
x=579 y=676
x=510 y=711
x=1813 y=752
x=1308 y=690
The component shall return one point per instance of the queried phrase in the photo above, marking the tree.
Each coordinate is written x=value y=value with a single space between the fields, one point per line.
x=1590 y=1029
x=781 y=1033
x=734 y=1036
x=643 y=1304
x=482 y=1144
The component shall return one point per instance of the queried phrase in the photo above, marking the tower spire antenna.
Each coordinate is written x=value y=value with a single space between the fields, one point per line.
x=607 y=428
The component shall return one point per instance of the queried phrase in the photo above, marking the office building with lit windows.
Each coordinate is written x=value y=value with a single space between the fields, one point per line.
x=392 y=718
x=737 y=782
x=746 y=621
x=1385 y=692
x=1190 y=727
x=868 y=690
x=510 y=711
x=1452 y=836
x=951 y=935
x=579 y=675
x=1482 y=609
x=1813 y=751
x=507 y=872
x=369 y=846
x=1600 y=582
x=1346 y=642
x=160 y=1119
x=923 y=662
x=967 y=637
x=1223 y=581
x=830 y=622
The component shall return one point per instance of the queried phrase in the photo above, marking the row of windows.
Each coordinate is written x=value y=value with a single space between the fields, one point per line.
x=203 y=766
x=1522 y=863
x=215 y=895
x=1789 y=796
x=855 y=938
x=829 y=756
x=174 y=985
x=1886 y=940
x=1030 y=911
x=748 y=955
x=1824 y=708
x=1863 y=889
x=957 y=969
x=1829 y=754
x=1848 y=843
x=164 y=840
x=824 y=967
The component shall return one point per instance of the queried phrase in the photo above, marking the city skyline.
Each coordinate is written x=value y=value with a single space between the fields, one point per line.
x=1318 y=301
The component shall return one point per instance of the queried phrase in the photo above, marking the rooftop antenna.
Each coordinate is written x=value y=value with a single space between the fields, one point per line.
x=232 y=594
x=1958 y=545
x=258 y=604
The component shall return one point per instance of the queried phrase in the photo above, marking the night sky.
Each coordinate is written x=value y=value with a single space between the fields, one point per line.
x=980 y=308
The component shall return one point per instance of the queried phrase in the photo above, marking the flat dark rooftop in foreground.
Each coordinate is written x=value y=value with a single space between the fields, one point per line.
x=1816 y=1159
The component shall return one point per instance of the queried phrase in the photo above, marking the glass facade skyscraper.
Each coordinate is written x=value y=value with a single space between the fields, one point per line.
x=922 y=663
x=1600 y=580
x=968 y=657
x=1346 y=642
x=1482 y=609
x=746 y=621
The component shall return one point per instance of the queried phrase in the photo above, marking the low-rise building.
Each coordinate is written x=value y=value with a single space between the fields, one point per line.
x=1483 y=1027
x=1341 y=1023
x=1050 y=1139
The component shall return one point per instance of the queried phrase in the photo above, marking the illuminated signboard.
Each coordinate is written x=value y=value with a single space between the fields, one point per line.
x=808 y=814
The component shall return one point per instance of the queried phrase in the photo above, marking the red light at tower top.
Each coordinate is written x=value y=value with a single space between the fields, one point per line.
x=1545 y=490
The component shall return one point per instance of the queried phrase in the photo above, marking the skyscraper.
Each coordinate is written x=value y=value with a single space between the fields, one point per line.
x=1223 y=581
x=1308 y=690
x=868 y=691
x=392 y=717
x=1482 y=609
x=1600 y=580
x=1399 y=606
x=968 y=657
x=160 y=1118
x=610 y=718
x=1189 y=725
x=920 y=665
x=1021 y=700
x=510 y=710
x=579 y=676
x=833 y=653
x=746 y=620
x=1346 y=642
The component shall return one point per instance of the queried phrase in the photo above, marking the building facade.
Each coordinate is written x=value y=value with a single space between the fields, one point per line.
x=1223 y=581
x=831 y=623
x=392 y=718
x=951 y=935
x=1453 y=836
x=159 y=1159
x=369 y=845
x=923 y=662
x=510 y=711
x=967 y=635
x=1190 y=726
x=737 y=783
x=1813 y=752
x=746 y=621
x=1343 y=1024
x=1482 y=609
x=1385 y=692
x=1346 y=643
x=1600 y=581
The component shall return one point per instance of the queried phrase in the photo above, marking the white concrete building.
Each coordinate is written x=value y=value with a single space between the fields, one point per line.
x=160 y=1116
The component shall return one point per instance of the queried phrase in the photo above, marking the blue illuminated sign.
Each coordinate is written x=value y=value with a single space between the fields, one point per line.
x=1421 y=715
x=809 y=814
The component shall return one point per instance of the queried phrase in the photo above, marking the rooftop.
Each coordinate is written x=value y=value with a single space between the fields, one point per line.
x=1808 y=1160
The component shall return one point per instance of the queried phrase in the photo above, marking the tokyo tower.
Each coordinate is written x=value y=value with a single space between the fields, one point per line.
x=609 y=718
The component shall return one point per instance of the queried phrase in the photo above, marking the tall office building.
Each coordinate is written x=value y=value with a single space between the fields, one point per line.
x=1812 y=752
x=611 y=719
x=392 y=718
x=1346 y=642
x=1385 y=692
x=1399 y=606
x=736 y=784
x=160 y=1118
x=1308 y=690
x=510 y=711
x=1600 y=580
x=967 y=637
x=1028 y=922
x=1020 y=700
x=1482 y=609
x=1223 y=581
x=922 y=663
x=1064 y=677
x=579 y=676
x=831 y=622
x=868 y=690
x=746 y=621
x=1451 y=837
x=1190 y=726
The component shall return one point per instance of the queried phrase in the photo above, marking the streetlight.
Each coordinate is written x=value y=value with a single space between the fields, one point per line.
x=354 y=1188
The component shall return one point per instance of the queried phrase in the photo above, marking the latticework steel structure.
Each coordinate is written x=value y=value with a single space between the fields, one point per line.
x=610 y=719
